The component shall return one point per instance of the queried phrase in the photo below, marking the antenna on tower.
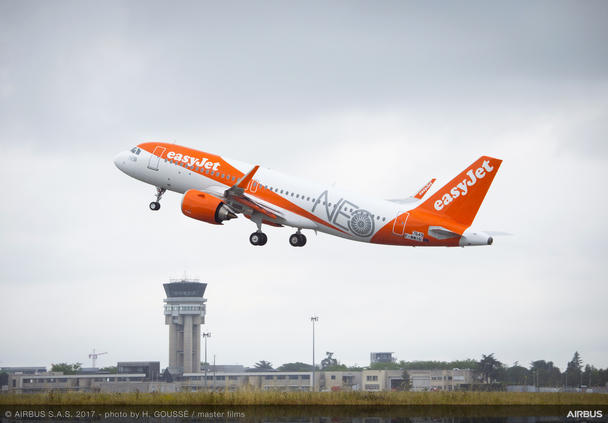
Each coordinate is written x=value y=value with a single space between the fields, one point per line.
x=93 y=356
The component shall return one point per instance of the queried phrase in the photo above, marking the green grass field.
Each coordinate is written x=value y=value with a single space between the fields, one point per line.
x=247 y=398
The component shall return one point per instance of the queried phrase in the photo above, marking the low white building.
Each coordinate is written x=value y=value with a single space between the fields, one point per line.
x=365 y=380
x=440 y=380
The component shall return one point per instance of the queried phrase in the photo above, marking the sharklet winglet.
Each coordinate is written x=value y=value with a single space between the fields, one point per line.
x=422 y=191
x=242 y=183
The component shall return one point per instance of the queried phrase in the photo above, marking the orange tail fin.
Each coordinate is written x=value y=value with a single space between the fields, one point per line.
x=460 y=199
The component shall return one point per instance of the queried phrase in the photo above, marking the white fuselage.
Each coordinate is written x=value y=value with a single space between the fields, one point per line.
x=269 y=197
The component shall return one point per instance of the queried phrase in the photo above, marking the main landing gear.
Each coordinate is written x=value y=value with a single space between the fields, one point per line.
x=297 y=240
x=155 y=205
x=258 y=238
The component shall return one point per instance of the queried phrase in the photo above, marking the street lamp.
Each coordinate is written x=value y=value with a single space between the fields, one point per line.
x=205 y=336
x=313 y=319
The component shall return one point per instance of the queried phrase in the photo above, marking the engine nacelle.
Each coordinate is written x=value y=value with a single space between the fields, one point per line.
x=205 y=207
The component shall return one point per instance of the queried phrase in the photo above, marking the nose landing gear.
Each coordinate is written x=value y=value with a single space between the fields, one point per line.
x=155 y=205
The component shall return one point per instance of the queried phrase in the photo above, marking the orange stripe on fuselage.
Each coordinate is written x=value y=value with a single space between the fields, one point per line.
x=224 y=168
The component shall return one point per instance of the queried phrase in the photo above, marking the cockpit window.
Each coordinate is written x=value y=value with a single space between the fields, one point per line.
x=136 y=150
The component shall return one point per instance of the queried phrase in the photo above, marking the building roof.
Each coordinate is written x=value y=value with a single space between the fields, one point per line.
x=137 y=363
x=83 y=376
x=211 y=374
x=37 y=369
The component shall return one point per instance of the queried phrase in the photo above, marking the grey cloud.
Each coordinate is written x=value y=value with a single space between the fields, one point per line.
x=134 y=68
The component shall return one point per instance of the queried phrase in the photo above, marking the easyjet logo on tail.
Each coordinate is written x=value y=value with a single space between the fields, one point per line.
x=462 y=188
x=193 y=161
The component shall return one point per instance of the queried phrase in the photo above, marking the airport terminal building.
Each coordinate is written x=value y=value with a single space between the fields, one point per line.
x=147 y=380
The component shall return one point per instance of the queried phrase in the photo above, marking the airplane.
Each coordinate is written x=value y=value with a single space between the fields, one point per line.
x=216 y=189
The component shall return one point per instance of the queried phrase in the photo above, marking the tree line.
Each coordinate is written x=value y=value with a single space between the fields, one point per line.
x=541 y=373
x=488 y=370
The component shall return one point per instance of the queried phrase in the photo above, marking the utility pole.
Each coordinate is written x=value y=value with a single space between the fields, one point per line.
x=313 y=319
x=205 y=336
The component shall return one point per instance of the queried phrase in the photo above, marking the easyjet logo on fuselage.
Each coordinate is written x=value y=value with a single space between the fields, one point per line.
x=192 y=161
x=462 y=188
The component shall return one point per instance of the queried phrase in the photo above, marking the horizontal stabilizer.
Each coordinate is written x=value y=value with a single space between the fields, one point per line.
x=439 y=232
x=416 y=197
x=498 y=233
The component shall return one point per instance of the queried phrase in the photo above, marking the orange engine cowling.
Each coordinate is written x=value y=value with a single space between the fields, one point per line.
x=201 y=206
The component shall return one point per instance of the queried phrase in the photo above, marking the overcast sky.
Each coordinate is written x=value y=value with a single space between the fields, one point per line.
x=377 y=97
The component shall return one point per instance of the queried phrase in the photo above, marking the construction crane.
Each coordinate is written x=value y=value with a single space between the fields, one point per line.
x=93 y=356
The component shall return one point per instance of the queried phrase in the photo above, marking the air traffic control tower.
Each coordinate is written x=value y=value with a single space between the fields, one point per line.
x=185 y=313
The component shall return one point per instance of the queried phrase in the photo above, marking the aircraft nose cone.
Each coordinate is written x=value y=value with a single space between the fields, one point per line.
x=120 y=161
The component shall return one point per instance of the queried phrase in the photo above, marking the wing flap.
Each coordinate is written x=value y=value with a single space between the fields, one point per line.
x=247 y=202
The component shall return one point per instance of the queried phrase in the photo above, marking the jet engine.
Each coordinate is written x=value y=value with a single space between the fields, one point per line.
x=205 y=207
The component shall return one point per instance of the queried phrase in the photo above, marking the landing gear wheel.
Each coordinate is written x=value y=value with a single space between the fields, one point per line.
x=294 y=240
x=155 y=205
x=258 y=238
x=297 y=240
x=264 y=239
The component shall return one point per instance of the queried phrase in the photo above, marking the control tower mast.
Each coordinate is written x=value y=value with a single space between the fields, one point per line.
x=185 y=313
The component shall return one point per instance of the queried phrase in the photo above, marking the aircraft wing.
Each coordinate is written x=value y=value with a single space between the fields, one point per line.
x=242 y=203
x=236 y=199
x=416 y=197
x=248 y=202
